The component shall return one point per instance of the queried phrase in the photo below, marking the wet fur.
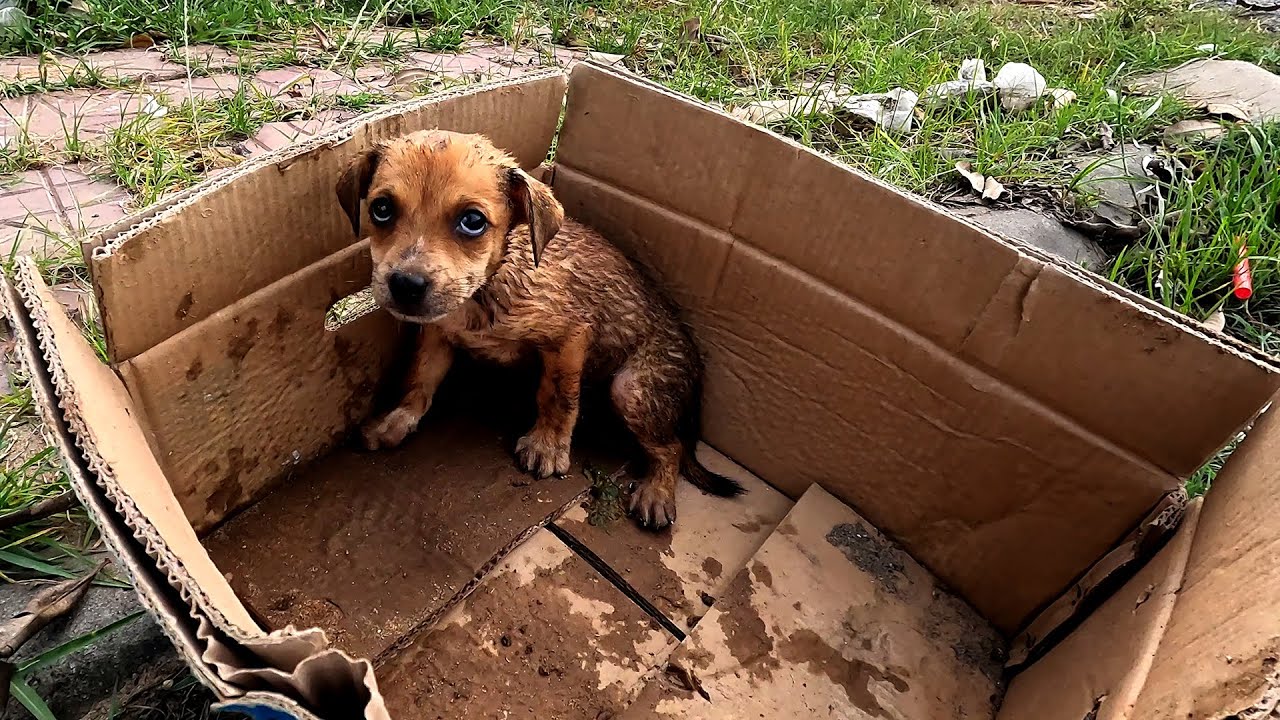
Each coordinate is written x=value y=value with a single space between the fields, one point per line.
x=536 y=283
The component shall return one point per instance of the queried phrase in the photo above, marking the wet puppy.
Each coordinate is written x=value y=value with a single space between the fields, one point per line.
x=479 y=253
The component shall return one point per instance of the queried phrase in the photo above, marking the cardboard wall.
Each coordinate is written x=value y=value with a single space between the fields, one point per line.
x=997 y=415
x=239 y=233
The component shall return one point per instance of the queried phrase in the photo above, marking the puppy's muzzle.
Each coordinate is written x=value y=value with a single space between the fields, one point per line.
x=408 y=290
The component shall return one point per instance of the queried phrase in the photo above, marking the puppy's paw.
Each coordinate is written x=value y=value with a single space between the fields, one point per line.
x=542 y=453
x=389 y=430
x=653 y=505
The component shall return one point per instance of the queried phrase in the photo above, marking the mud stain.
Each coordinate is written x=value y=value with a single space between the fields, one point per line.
x=745 y=633
x=856 y=677
x=242 y=343
x=762 y=574
x=184 y=307
x=194 y=370
x=712 y=568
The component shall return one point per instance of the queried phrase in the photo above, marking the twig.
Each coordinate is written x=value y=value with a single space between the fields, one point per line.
x=39 y=511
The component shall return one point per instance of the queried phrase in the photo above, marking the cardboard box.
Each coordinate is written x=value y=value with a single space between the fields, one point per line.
x=958 y=448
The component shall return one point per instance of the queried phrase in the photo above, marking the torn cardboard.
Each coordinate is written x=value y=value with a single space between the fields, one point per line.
x=1004 y=417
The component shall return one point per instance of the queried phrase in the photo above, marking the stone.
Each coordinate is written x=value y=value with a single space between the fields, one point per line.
x=1038 y=231
x=74 y=684
x=1219 y=82
x=44 y=209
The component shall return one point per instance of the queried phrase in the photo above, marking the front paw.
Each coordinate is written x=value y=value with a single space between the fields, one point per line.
x=389 y=430
x=543 y=453
x=653 y=505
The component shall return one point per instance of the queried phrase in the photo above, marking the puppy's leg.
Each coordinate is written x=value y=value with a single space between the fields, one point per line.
x=431 y=362
x=651 y=394
x=545 y=450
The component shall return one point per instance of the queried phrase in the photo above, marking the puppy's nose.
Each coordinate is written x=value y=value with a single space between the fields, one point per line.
x=407 y=289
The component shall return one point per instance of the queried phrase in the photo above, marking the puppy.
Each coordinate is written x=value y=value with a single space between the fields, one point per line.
x=480 y=254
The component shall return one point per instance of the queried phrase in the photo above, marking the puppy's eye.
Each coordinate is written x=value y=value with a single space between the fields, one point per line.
x=472 y=224
x=382 y=211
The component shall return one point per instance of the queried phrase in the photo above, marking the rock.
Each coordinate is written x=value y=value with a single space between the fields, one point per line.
x=1019 y=85
x=1038 y=231
x=74 y=684
x=1242 y=86
x=1119 y=181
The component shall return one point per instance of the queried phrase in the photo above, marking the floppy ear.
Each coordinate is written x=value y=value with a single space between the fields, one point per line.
x=534 y=204
x=353 y=185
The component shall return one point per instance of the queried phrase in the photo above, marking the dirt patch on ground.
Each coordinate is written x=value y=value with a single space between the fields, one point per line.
x=855 y=676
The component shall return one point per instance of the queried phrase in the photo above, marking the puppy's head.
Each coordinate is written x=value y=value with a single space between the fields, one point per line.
x=442 y=206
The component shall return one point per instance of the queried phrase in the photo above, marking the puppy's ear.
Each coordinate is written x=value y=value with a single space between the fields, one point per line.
x=353 y=185
x=534 y=204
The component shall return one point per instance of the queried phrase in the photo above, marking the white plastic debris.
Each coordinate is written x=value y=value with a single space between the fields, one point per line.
x=12 y=19
x=768 y=112
x=1216 y=322
x=1060 y=98
x=944 y=93
x=893 y=110
x=1208 y=48
x=973 y=71
x=1019 y=85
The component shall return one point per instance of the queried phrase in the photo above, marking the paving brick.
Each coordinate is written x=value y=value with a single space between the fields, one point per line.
x=492 y=61
x=204 y=89
x=42 y=209
x=118 y=66
x=274 y=136
x=50 y=119
x=205 y=57
x=301 y=82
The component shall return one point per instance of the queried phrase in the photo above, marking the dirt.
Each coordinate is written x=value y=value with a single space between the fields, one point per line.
x=952 y=622
x=367 y=545
x=528 y=652
x=712 y=568
x=745 y=633
x=871 y=552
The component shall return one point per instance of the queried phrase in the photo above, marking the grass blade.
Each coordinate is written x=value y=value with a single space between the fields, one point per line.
x=30 y=700
x=30 y=562
x=71 y=647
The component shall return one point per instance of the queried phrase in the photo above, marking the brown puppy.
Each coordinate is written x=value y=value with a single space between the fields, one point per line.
x=470 y=246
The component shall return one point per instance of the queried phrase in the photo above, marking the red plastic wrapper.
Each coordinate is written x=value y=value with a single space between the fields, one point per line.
x=1242 y=276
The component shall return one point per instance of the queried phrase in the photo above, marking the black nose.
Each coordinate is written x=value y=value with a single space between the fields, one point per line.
x=407 y=289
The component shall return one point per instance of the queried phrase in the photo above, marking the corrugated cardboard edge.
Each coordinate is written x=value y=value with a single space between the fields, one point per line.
x=1095 y=584
x=228 y=658
x=1145 y=305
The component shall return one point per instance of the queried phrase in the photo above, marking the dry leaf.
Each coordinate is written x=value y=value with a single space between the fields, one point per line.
x=1228 y=110
x=48 y=605
x=141 y=40
x=79 y=7
x=766 y=112
x=977 y=180
x=1188 y=130
x=323 y=38
x=692 y=29
x=1216 y=322
x=410 y=76
x=605 y=58
x=1106 y=136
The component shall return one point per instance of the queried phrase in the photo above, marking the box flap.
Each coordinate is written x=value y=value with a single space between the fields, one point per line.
x=1220 y=656
x=113 y=471
x=243 y=230
x=245 y=395
x=779 y=643
x=865 y=340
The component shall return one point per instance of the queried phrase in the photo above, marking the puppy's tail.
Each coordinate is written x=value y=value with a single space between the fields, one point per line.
x=714 y=483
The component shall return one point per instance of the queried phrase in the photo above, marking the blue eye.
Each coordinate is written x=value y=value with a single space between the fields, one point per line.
x=472 y=223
